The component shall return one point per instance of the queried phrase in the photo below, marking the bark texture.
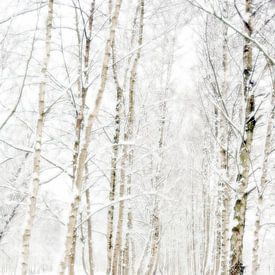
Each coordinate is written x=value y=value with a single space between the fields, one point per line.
x=263 y=184
x=114 y=161
x=236 y=242
x=38 y=143
x=89 y=229
x=83 y=89
x=154 y=246
x=224 y=155
x=127 y=154
x=87 y=140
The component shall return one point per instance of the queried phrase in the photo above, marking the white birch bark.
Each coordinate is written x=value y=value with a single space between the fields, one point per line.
x=129 y=244
x=128 y=154
x=263 y=184
x=236 y=261
x=87 y=140
x=155 y=238
x=83 y=89
x=155 y=219
x=114 y=161
x=38 y=143
x=89 y=229
x=224 y=157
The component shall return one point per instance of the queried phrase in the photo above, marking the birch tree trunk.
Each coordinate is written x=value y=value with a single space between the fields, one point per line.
x=264 y=182
x=84 y=88
x=155 y=221
x=128 y=154
x=155 y=238
x=193 y=225
x=38 y=143
x=118 y=241
x=236 y=264
x=118 y=117
x=87 y=140
x=115 y=148
x=82 y=238
x=218 y=241
x=130 y=253
x=206 y=206
x=143 y=257
x=80 y=117
x=206 y=231
x=224 y=154
x=89 y=229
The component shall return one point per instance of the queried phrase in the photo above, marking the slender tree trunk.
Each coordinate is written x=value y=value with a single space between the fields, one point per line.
x=206 y=232
x=128 y=154
x=129 y=249
x=38 y=143
x=155 y=238
x=218 y=233
x=155 y=220
x=118 y=242
x=218 y=244
x=128 y=236
x=206 y=208
x=90 y=239
x=264 y=182
x=236 y=264
x=118 y=117
x=130 y=255
x=145 y=251
x=125 y=257
x=82 y=238
x=194 y=250
x=225 y=230
x=114 y=161
x=87 y=140
x=83 y=89
x=193 y=221
x=224 y=158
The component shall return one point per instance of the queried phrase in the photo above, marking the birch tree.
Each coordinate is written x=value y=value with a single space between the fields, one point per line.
x=84 y=150
x=83 y=89
x=38 y=143
x=128 y=136
x=224 y=164
x=263 y=183
x=119 y=116
x=236 y=261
